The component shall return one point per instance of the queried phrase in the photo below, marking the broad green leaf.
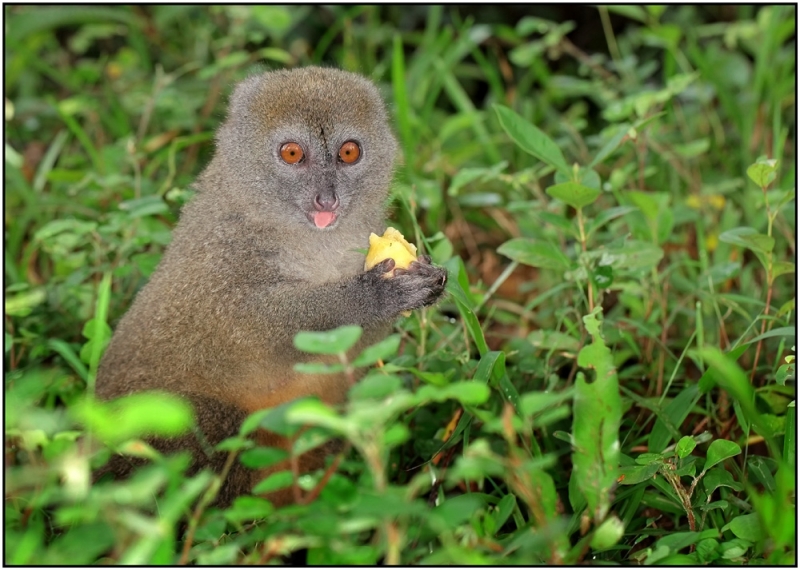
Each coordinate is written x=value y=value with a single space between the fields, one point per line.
x=635 y=474
x=249 y=508
x=531 y=139
x=468 y=392
x=314 y=412
x=645 y=202
x=782 y=267
x=602 y=276
x=234 y=443
x=648 y=458
x=607 y=215
x=136 y=415
x=375 y=386
x=328 y=342
x=611 y=145
x=573 y=194
x=707 y=550
x=455 y=510
x=21 y=304
x=554 y=340
x=715 y=505
x=146 y=206
x=262 y=457
x=761 y=473
x=749 y=238
x=735 y=548
x=597 y=414
x=747 y=527
x=763 y=172
x=719 y=477
x=273 y=482
x=685 y=446
x=677 y=541
x=535 y=253
x=720 y=450
x=537 y=402
x=73 y=226
x=379 y=351
x=631 y=255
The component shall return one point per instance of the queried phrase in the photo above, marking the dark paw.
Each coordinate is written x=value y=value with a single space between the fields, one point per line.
x=421 y=284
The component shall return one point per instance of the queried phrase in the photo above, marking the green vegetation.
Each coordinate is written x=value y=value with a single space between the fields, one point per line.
x=611 y=376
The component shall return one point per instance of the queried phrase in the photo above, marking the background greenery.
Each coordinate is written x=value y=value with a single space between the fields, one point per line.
x=611 y=376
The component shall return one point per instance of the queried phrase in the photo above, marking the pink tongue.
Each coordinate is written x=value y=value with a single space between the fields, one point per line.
x=323 y=219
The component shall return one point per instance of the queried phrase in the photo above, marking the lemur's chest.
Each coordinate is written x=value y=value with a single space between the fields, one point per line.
x=323 y=262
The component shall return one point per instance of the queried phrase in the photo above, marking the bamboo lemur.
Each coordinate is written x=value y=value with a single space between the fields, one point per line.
x=267 y=248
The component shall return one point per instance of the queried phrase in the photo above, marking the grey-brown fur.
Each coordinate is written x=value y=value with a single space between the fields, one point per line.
x=247 y=268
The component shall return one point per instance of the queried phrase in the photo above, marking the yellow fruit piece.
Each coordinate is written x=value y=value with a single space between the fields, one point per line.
x=393 y=245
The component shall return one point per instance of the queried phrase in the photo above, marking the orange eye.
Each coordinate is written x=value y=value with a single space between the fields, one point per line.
x=350 y=152
x=291 y=153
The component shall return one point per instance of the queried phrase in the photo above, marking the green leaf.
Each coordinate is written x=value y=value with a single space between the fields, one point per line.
x=98 y=333
x=607 y=215
x=719 y=477
x=313 y=412
x=328 y=342
x=645 y=202
x=735 y=548
x=597 y=415
x=273 y=482
x=262 y=457
x=534 y=253
x=375 y=386
x=749 y=238
x=611 y=145
x=759 y=468
x=469 y=392
x=573 y=194
x=379 y=351
x=536 y=402
x=631 y=255
x=707 y=550
x=763 y=172
x=21 y=304
x=635 y=474
x=648 y=458
x=146 y=206
x=747 y=527
x=458 y=288
x=685 y=446
x=781 y=268
x=531 y=139
x=554 y=340
x=608 y=533
x=141 y=414
x=249 y=508
x=784 y=332
x=720 y=450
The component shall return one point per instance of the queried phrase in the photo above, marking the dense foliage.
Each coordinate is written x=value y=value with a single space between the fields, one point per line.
x=611 y=376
